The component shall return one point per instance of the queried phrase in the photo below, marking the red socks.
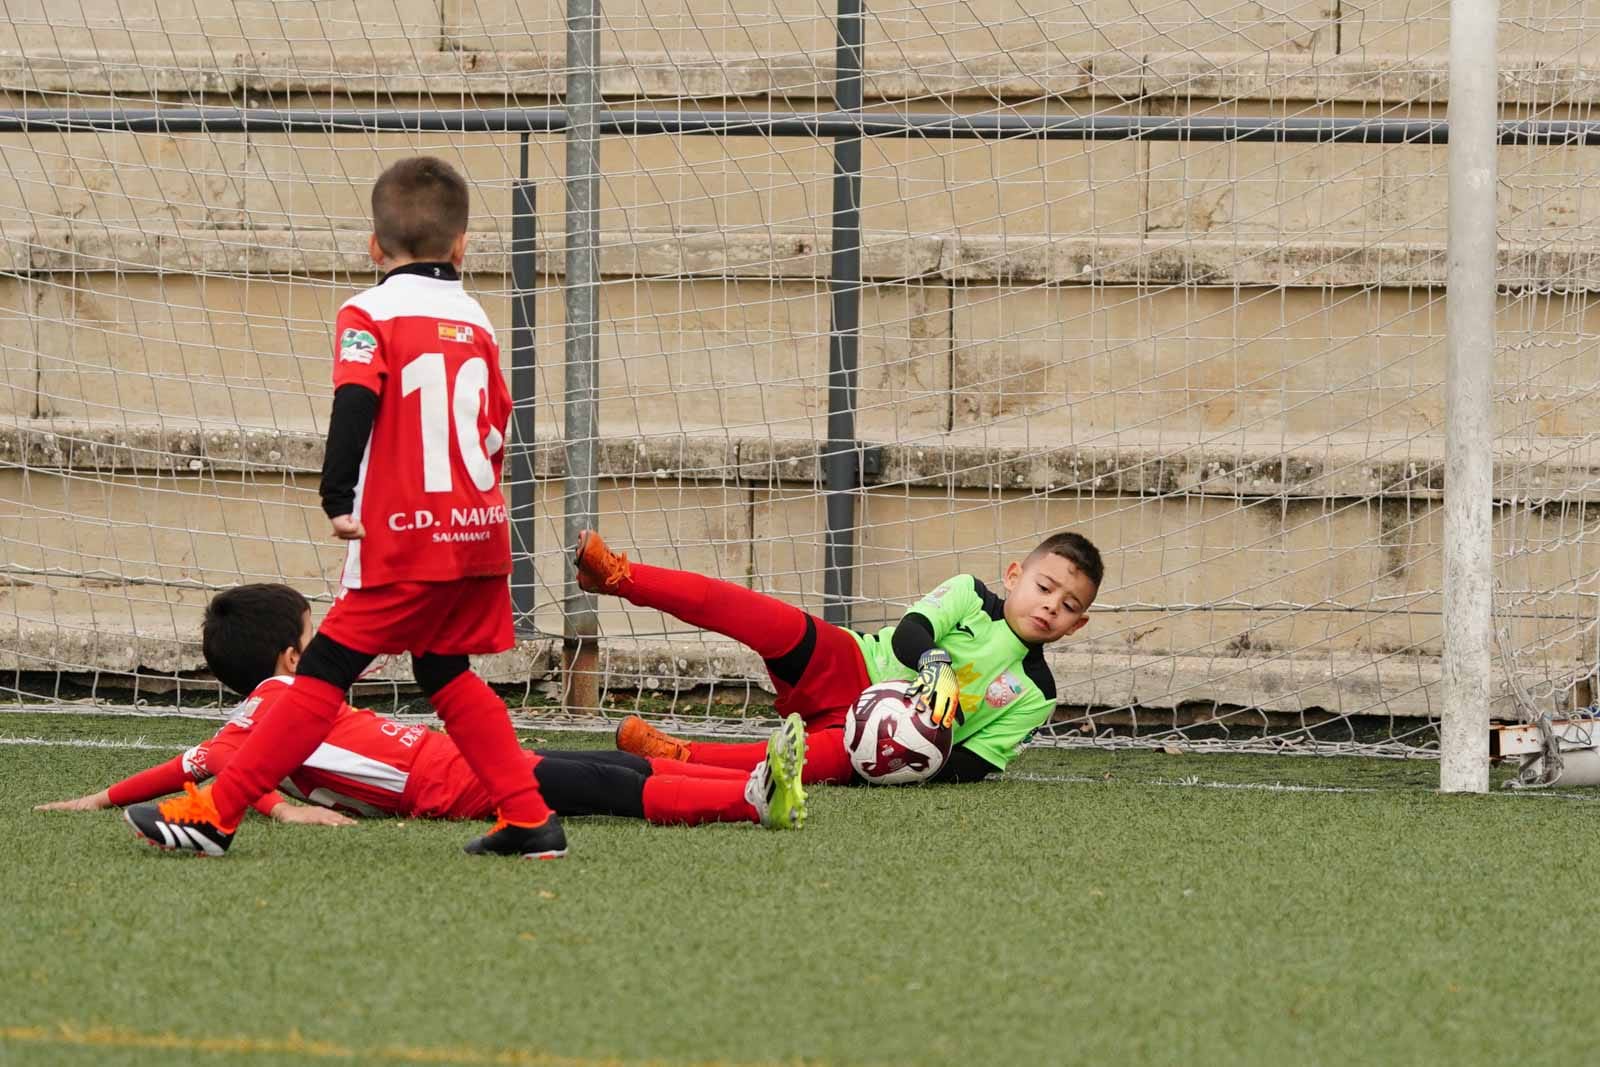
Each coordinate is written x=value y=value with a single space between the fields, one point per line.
x=677 y=768
x=477 y=721
x=765 y=624
x=826 y=759
x=739 y=755
x=689 y=801
x=278 y=744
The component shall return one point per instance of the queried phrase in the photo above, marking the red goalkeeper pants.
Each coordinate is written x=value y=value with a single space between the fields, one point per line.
x=815 y=666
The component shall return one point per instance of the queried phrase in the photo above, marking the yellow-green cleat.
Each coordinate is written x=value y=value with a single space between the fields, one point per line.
x=774 y=789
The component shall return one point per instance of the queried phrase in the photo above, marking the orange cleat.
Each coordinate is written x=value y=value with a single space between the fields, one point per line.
x=189 y=823
x=639 y=737
x=600 y=570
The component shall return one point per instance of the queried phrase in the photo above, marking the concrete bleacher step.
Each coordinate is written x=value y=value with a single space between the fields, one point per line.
x=317 y=245
x=476 y=71
x=1233 y=466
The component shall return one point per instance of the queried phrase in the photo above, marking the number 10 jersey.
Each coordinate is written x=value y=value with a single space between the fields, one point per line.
x=428 y=492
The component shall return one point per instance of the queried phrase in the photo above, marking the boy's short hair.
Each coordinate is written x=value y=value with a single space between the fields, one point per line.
x=246 y=628
x=1075 y=549
x=419 y=208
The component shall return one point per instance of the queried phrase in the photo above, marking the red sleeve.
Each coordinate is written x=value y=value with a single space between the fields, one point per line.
x=267 y=801
x=499 y=407
x=157 y=781
x=169 y=777
x=358 y=358
x=208 y=758
x=216 y=754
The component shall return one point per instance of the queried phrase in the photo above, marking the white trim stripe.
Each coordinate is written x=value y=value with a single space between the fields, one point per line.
x=359 y=768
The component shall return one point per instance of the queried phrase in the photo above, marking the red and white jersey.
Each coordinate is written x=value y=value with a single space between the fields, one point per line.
x=429 y=486
x=369 y=765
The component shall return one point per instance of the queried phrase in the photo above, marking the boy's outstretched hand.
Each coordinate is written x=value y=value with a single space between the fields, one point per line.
x=92 y=802
x=306 y=816
x=309 y=816
x=935 y=692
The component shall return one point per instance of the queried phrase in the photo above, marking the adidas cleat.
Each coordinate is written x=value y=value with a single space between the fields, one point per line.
x=189 y=823
x=546 y=841
x=775 y=788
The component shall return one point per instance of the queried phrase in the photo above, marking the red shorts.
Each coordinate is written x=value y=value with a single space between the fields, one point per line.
x=833 y=676
x=469 y=616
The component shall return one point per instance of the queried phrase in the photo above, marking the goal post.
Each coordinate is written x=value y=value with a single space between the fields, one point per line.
x=1469 y=411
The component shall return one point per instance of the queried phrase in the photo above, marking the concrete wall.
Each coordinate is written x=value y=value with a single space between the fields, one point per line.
x=1372 y=195
x=321 y=29
x=1222 y=362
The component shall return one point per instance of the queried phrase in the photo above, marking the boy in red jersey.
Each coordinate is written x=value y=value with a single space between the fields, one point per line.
x=411 y=480
x=253 y=637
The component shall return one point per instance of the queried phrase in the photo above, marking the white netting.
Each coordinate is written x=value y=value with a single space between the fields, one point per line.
x=1222 y=362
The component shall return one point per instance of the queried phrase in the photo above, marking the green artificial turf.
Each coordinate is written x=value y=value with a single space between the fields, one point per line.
x=1096 y=908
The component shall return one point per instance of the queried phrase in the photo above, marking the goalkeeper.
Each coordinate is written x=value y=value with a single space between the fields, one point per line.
x=976 y=659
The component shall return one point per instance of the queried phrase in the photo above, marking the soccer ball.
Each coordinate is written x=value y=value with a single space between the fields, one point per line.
x=888 y=743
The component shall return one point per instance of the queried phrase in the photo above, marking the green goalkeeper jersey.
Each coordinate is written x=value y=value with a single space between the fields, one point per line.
x=1006 y=689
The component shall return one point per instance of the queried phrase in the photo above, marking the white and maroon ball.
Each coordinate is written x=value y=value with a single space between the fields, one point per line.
x=888 y=743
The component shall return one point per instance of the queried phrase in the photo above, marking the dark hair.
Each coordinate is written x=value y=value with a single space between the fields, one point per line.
x=419 y=208
x=1077 y=550
x=246 y=628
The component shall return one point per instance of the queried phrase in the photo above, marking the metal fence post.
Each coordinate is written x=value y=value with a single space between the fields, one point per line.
x=580 y=677
x=841 y=463
x=524 y=395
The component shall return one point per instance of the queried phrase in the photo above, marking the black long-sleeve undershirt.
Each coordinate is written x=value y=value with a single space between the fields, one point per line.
x=355 y=407
x=913 y=635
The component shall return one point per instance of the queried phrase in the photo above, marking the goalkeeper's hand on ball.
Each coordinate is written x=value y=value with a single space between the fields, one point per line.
x=936 y=693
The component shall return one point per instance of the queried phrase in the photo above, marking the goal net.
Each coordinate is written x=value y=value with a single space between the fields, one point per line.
x=1222 y=362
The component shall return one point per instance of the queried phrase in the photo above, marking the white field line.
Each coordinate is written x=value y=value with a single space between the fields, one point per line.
x=549 y=720
x=88 y=742
x=1066 y=779
x=521 y=719
x=119 y=710
x=1190 y=783
x=1276 y=787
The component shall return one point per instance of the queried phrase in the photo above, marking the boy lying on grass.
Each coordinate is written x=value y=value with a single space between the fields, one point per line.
x=252 y=638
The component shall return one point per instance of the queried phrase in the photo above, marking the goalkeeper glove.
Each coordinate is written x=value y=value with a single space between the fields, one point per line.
x=936 y=691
